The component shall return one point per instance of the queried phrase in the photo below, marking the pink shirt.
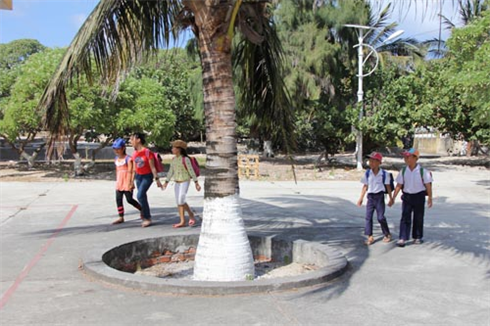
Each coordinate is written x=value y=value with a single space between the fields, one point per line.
x=123 y=175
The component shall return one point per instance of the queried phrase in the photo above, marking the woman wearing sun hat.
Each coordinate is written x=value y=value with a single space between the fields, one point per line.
x=182 y=174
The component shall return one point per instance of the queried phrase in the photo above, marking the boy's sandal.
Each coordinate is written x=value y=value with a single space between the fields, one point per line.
x=178 y=225
x=118 y=221
x=387 y=238
x=418 y=241
x=192 y=222
x=145 y=223
x=369 y=241
x=400 y=243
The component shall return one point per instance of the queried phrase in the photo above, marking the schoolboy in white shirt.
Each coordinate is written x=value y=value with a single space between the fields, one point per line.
x=374 y=181
x=416 y=183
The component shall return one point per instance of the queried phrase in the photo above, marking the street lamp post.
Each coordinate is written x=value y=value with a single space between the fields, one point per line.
x=361 y=61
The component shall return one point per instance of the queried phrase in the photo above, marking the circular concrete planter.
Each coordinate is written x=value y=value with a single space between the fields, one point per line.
x=98 y=263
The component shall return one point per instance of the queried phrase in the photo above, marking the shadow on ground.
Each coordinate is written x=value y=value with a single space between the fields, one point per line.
x=338 y=223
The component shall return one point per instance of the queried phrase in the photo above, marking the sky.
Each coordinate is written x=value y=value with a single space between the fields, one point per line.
x=420 y=20
x=54 y=23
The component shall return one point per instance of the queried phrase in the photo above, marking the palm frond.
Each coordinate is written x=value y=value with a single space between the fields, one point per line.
x=382 y=34
x=449 y=25
x=422 y=8
x=403 y=47
x=379 y=21
x=435 y=48
x=261 y=87
x=117 y=34
x=471 y=9
x=466 y=11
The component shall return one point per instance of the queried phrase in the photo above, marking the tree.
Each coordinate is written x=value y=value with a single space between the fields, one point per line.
x=12 y=55
x=142 y=105
x=395 y=106
x=118 y=33
x=469 y=10
x=322 y=64
x=21 y=121
x=90 y=117
x=430 y=98
x=469 y=72
x=16 y=52
x=172 y=70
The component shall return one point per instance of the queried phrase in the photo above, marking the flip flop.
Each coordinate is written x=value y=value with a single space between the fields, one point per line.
x=176 y=226
x=387 y=238
x=192 y=222
x=118 y=221
x=400 y=243
x=370 y=240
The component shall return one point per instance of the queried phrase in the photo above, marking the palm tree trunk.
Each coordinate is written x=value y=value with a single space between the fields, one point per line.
x=223 y=252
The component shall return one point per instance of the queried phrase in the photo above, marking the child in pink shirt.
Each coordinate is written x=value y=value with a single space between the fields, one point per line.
x=124 y=178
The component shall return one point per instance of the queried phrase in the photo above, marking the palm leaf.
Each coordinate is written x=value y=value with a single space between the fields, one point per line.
x=261 y=87
x=382 y=34
x=116 y=35
x=403 y=47
x=449 y=25
x=435 y=48
x=378 y=21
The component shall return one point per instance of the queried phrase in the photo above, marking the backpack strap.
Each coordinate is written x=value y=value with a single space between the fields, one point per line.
x=183 y=162
x=421 y=174
x=384 y=175
x=367 y=174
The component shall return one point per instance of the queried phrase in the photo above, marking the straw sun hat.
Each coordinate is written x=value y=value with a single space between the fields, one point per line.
x=179 y=143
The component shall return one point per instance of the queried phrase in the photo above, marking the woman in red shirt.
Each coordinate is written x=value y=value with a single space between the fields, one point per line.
x=145 y=173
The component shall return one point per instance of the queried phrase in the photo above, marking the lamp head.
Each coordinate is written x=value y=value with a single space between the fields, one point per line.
x=394 y=35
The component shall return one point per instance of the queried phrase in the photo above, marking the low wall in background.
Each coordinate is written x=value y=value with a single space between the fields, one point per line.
x=85 y=149
x=433 y=144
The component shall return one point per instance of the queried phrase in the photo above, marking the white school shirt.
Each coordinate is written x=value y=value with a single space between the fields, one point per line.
x=412 y=181
x=375 y=182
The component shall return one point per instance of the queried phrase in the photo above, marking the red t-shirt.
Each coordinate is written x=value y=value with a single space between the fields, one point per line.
x=141 y=161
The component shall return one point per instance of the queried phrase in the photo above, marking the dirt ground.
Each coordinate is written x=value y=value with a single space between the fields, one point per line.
x=264 y=270
x=304 y=167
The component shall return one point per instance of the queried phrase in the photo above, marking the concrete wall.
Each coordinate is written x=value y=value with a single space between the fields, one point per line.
x=434 y=144
x=85 y=150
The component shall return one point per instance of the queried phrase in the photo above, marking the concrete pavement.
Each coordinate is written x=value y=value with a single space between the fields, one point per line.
x=47 y=227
